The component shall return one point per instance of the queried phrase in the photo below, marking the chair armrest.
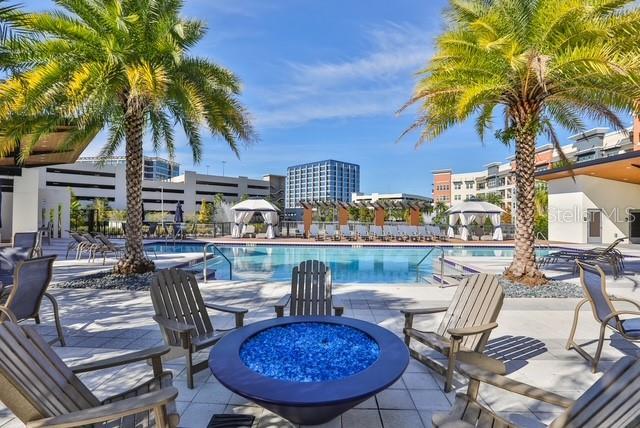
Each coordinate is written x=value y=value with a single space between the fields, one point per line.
x=617 y=313
x=423 y=311
x=120 y=360
x=107 y=412
x=502 y=382
x=472 y=330
x=227 y=309
x=622 y=299
x=177 y=326
x=281 y=304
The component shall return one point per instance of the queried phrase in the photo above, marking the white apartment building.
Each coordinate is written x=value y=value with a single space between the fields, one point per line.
x=498 y=178
x=26 y=197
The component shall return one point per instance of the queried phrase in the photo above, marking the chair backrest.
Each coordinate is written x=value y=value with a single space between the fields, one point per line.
x=344 y=229
x=613 y=401
x=77 y=237
x=104 y=241
x=31 y=279
x=34 y=382
x=25 y=239
x=176 y=296
x=301 y=228
x=330 y=229
x=310 y=289
x=594 y=285
x=477 y=301
x=314 y=230
x=613 y=245
x=90 y=238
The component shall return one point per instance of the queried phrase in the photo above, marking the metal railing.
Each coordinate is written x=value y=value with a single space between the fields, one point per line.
x=539 y=236
x=437 y=247
x=204 y=266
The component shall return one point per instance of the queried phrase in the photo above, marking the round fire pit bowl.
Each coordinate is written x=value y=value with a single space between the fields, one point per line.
x=311 y=369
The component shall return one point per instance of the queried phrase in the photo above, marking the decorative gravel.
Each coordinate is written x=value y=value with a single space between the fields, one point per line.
x=555 y=289
x=309 y=352
x=109 y=281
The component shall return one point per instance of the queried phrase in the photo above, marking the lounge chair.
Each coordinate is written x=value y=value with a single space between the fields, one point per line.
x=300 y=231
x=182 y=315
x=24 y=297
x=95 y=247
x=438 y=233
x=249 y=230
x=346 y=233
x=613 y=401
x=363 y=233
x=606 y=255
x=314 y=232
x=116 y=249
x=389 y=232
x=27 y=240
x=310 y=292
x=331 y=232
x=41 y=390
x=423 y=235
x=594 y=285
x=376 y=232
x=464 y=331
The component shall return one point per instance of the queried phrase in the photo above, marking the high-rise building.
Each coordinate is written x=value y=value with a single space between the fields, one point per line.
x=328 y=180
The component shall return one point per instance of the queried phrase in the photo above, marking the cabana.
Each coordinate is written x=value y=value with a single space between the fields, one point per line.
x=244 y=211
x=469 y=211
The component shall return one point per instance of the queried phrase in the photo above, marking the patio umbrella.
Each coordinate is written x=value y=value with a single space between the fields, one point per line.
x=178 y=217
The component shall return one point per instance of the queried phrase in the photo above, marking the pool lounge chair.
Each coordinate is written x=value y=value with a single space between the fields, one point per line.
x=96 y=247
x=376 y=232
x=346 y=233
x=594 y=285
x=331 y=232
x=310 y=292
x=363 y=233
x=24 y=298
x=300 y=231
x=423 y=234
x=314 y=232
x=613 y=401
x=464 y=331
x=389 y=232
x=607 y=255
x=38 y=387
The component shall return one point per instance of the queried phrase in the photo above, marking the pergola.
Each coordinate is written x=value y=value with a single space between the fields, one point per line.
x=380 y=208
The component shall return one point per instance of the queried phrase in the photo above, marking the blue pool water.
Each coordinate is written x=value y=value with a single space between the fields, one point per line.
x=309 y=352
x=389 y=265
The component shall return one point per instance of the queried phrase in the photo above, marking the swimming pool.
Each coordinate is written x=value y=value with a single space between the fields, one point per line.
x=389 y=265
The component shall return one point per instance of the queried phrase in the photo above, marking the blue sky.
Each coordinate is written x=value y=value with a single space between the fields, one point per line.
x=323 y=79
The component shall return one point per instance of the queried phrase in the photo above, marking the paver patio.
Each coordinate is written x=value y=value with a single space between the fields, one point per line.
x=530 y=339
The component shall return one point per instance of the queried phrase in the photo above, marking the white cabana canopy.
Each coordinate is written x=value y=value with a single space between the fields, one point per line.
x=243 y=211
x=469 y=211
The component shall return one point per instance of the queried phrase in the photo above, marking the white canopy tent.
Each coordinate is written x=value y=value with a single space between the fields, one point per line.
x=469 y=211
x=244 y=211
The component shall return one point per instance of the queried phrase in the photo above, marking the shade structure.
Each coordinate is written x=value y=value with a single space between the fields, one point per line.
x=469 y=211
x=244 y=211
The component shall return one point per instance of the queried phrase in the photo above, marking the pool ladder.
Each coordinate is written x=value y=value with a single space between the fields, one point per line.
x=439 y=248
x=204 y=257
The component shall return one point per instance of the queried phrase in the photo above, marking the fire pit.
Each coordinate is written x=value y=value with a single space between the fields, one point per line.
x=309 y=369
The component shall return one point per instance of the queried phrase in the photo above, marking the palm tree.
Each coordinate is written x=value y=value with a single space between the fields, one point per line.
x=124 y=66
x=536 y=63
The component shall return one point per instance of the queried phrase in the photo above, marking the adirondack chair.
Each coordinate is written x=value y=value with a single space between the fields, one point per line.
x=41 y=390
x=182 y=315
x=465 y=328
x=24 y=297
x=613 y=401
x=594 y=285
x=310 y=292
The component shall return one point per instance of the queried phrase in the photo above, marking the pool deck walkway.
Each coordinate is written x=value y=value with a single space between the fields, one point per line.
x=530 y=339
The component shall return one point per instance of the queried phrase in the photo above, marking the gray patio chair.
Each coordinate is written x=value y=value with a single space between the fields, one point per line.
x=182 y=315
x=609 y=255
x=594 y=285
x=42 y=391
x=24 y=297
x=116 y=249
x=464 y=331
x=310 y=292
x=613 y=401
x=9 y=260
x=96 y=246
x=26 y=240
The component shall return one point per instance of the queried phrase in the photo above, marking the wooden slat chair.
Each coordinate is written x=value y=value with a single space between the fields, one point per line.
x=182 y=315
x=594 y=285
x=310 y=292
x=465 y=328
x=24 y=297
x=613 y=401
x=42 y=391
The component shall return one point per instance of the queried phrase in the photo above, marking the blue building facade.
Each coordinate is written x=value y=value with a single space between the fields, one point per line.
x=327 y=180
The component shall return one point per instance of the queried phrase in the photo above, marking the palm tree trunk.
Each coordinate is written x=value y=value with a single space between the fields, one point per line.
x=134 y=260
x=523 y=268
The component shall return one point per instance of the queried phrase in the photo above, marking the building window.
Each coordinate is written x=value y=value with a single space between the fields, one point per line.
x=457 y=186
x=470 y=185
x=457 y=197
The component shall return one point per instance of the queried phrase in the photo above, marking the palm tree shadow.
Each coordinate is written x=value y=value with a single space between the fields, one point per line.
x=514 y=351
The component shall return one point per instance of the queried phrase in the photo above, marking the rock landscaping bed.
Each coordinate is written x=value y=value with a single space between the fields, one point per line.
x=109 y=281
x=554 y=289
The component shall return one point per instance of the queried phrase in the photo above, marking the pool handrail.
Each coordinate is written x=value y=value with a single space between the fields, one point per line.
x=204 y=265
x=435 y=247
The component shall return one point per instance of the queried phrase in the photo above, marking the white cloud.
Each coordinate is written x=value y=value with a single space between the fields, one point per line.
x=374 y=83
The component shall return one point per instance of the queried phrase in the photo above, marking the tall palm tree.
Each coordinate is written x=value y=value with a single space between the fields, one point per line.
x=123 y=65
x=536 y=63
